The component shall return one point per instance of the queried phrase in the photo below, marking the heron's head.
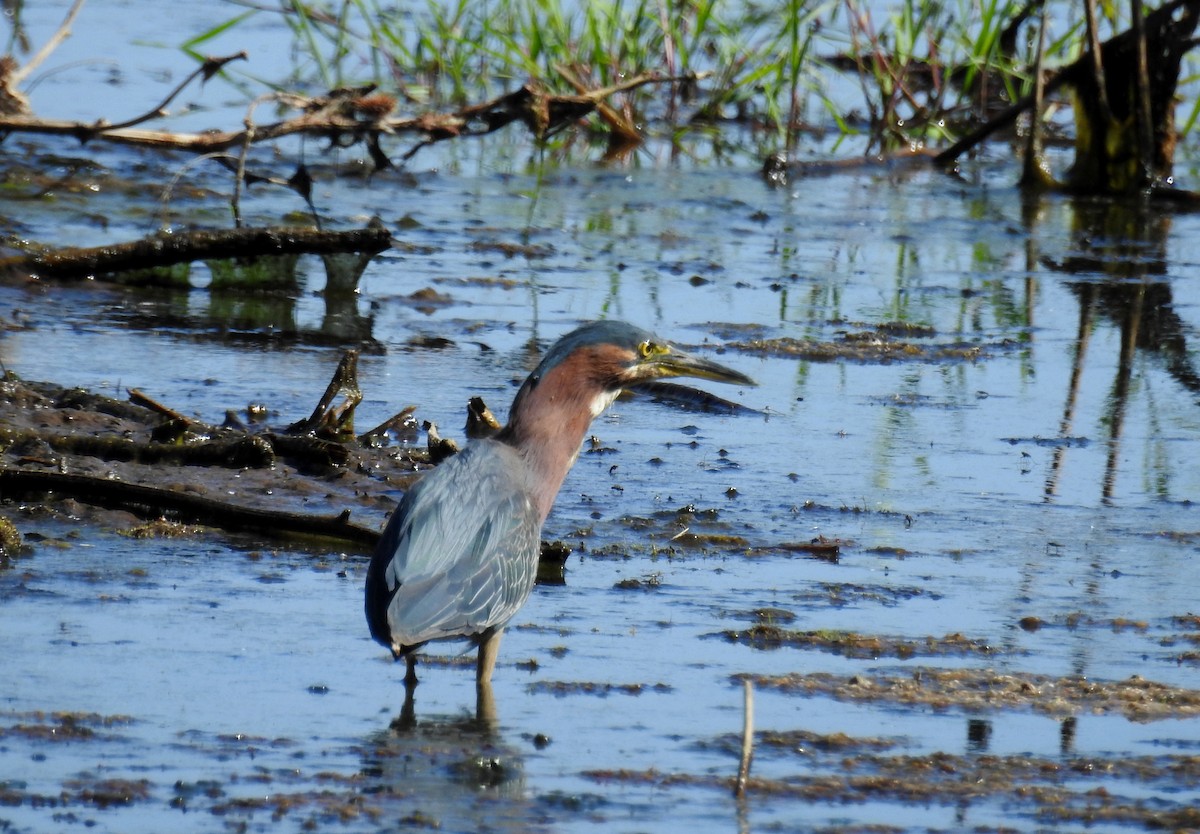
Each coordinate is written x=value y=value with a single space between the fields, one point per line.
x=577 y=379
x=590 y=366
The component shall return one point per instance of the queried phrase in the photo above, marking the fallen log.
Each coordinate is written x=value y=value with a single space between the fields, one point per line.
x=168 y=249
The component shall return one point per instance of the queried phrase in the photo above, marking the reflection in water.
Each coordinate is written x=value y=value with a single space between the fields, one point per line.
x=485 y=707
x=1066 y=736
x=979 y=734
x=450 y=772
x=253 y=312
x=1064 y=429
x=1126 y=244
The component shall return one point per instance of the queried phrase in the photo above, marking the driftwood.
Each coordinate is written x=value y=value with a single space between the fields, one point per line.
x=108 y=458
x=164 y=249
x=403 y=423
x=156 y=502
x=33 y=464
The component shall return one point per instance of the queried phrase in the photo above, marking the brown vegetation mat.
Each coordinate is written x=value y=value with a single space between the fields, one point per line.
x=1136 y=698
x=1026 y=785
x=853 y=644
x=871 y=345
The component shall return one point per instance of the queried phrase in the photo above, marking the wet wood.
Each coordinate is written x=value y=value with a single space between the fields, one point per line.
x=168 y=249
x=138 y=398
x=439 y=447
x=402 y=422
x=480 y=420
x=105 y=461
x=331 y=421
x=183 y=506
x=228 y=449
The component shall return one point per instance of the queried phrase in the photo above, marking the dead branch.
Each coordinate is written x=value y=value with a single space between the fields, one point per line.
x=166 y=249
x=26 y=458
x=327 y=420
x=1033 y=171
x=348 y=116
x=624 y=131
x=1095 y=47
x=439 y=447
x=61 y=34
x=480 y=420
x=402 y=422
x=207 y=70
x=1143 y=117
x=139 y=398
x=309 y=450
x=743 y=775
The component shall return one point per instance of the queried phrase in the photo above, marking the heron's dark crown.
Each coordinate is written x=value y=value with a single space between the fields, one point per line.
x=616 y=334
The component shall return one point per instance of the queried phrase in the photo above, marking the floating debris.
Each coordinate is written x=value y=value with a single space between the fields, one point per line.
x=561 y=688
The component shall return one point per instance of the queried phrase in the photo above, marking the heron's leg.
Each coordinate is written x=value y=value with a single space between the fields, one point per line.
x=489 y=649
x=410 y=676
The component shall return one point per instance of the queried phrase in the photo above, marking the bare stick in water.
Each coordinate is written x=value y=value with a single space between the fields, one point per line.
x=739 y=789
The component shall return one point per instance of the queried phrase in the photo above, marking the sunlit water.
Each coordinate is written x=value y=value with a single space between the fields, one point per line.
x=962 y=506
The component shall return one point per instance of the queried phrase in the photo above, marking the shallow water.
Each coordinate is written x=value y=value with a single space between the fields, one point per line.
x=229 y=683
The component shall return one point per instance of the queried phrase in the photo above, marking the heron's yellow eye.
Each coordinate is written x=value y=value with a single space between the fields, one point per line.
x=648 y=349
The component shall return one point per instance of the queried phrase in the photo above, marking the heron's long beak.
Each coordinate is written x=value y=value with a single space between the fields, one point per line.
x=672 y=362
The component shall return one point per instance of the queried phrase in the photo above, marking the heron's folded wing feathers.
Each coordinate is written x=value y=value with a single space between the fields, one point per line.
x=463 y=547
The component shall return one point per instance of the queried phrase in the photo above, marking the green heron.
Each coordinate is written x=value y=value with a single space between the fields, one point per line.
x=459 y=555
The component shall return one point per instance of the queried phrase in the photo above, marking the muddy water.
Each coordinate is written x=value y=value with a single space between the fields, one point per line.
x=1011 y=492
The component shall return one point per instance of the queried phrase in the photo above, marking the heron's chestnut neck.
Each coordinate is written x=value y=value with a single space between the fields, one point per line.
x=552 y=412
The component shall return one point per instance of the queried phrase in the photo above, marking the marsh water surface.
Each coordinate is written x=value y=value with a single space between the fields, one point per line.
x=988 y=403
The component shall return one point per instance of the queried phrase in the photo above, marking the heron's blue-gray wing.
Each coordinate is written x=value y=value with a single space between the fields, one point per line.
x=460 y=552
